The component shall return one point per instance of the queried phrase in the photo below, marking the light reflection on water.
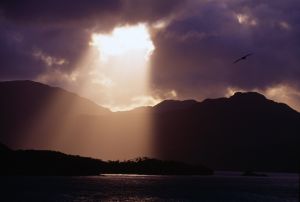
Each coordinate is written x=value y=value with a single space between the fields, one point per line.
x=229 y=188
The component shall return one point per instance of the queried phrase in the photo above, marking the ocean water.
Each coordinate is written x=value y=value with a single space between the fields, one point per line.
x=229 y=188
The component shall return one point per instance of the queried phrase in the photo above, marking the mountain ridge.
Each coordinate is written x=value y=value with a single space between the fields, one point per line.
x=38 y=85
x=235 y=133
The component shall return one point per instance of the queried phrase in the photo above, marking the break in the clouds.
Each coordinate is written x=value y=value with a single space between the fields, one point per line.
x=62 y=29
x=195 y=43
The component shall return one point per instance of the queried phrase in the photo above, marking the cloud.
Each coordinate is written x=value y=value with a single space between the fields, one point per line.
x=58 y=12
x=196 y=42
x=103 y=14
x=194 y=53
x=62 y=29
x=284 y=93
x=137 y=101
x=47 y=59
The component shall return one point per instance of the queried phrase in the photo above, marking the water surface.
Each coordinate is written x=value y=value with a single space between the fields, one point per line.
x=229 y=188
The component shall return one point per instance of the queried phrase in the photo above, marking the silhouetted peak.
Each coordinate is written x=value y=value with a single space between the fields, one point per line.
x=168 y=105
x=30 y=86
x=22 y=83
x=250 y=96
x=25 y=96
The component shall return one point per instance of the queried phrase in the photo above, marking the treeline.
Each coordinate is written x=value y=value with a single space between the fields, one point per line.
x=51 y=163
x=151 y=166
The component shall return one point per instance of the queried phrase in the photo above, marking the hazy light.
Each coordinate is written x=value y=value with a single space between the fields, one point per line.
x=123 y=40
x=114 y=72
x=284 y=25
x=160 y=24
x=47 y=59
x=246 y=19
x=241 y=18
x=119 y=70
x=142 y=100
x=284 y=93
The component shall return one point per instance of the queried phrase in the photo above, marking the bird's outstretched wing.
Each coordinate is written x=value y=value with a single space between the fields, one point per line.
x=242 y=58
x=237 y=60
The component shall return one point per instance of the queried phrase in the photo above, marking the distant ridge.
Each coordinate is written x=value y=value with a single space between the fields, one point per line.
x=246 y=131
x=27 y=104
x=31 y=91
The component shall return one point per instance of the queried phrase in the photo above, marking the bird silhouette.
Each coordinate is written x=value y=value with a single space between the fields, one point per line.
x=242 y=58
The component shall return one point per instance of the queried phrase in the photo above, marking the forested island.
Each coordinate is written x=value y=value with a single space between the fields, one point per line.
x=52 y=163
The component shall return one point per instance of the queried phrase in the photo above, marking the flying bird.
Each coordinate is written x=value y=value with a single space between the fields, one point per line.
x=243 y=58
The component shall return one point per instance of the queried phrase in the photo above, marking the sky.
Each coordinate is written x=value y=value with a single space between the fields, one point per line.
x=185 y=48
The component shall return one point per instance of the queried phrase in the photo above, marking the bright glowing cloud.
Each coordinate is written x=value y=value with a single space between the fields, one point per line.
x=47 y=59
x=107 y=82
x=115 y=71
x=57 y=76
x=123 y=40
x=161 y=24
x=284 y=93
x=245 y=19
x=135 y=102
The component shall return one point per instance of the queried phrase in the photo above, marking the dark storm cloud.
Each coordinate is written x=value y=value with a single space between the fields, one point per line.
x=194 y=52
x=34 y=31
x=19 y=44
x=14 y=58
x=70 y=11
x=53 y=29
x=57 y=11
x=150 y=10
x=207 y=39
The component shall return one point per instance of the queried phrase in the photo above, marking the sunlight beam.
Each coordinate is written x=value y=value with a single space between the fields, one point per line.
x=123 y=40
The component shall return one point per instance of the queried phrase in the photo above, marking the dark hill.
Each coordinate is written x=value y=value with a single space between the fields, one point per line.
x=45 y=163
x=52 y=163
x=245 y=131
x=29 y=108
x=172 y=105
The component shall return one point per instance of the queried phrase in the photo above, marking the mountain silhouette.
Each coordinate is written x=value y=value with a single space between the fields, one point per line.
x=47 y=163
x=243 y=132
x=171 y=105
x=25 y=105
